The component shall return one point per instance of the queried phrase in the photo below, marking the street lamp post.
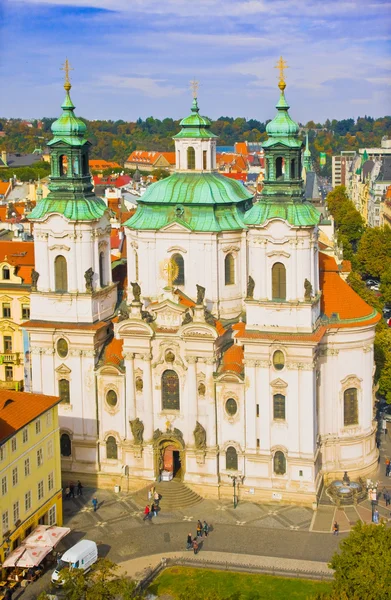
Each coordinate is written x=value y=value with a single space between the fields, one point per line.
x=239 y=479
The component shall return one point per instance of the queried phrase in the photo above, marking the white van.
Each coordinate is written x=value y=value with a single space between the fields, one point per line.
x=81 y=556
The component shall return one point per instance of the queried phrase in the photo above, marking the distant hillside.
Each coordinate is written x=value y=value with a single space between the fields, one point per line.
x=115 y=140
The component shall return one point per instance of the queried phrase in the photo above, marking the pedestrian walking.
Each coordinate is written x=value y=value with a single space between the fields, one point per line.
x=95 y=503
x=71 y=490
x=154 y=509
x=205 y=529
x=195 y=546
x=189 y=541
x=146 y=513
x=79 y=488
x=67 y=492
x=335 y=528
x=387 y=497
x=199 y=529
x=156 y=498
x=376 y=516
x=388 y=467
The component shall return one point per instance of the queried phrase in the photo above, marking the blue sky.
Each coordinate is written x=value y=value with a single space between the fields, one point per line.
x=134 y=58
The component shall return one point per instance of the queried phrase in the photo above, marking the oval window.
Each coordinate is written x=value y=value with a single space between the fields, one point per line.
x=62 y=348
x=231 y=406
x=278 y=360
x=111 y=398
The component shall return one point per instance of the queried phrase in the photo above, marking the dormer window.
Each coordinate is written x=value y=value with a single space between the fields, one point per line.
x=6 y=274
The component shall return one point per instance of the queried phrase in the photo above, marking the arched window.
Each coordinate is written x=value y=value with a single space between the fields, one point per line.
x=6 y=273
x=279 y=407
x=63 y=165
x=279 y=463
x=111 y=448
x=180 y=263
x=170 y=390
x=229 y=269
x=293 y=174
x=231 y=459
x=85 y=165
x=102 y=269
x=278 y=282
x=190 y=158
x=279 y=162
x=63 y=390
x=350 y=407
x=75 y=166
x=60 y=274
x=65 y=445
x=204 y=160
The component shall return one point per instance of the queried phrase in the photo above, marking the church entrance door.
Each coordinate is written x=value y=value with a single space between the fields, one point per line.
x=172 y=460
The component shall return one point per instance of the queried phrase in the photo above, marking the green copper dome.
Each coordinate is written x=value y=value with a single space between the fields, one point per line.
x=282 y=127
x=195 y=126
x=299 y=214
x=195 y=188
x=68 y=128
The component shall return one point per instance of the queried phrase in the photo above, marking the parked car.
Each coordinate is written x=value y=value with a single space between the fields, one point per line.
x=81 y=556
x=375 y=287
x=371 y=282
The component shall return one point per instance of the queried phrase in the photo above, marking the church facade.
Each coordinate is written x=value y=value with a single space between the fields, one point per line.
x=239 y=350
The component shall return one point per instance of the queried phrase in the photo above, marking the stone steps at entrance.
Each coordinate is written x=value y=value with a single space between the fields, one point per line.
x=175 y=494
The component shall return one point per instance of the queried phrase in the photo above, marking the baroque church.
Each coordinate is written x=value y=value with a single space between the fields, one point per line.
x=239 y=350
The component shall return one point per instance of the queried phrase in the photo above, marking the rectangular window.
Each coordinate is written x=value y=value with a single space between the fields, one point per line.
x=7 y=344
x=25 y=311
x=13 y=444
x=50 y=481
x=25 y=435
x=52 y=517
x=204 y=160
x=9 y=373
x=257 y=410
x=40 y=490
x=50 y=449
x=49 y=418
x=38 y=426
x=15 y=476
x=6 y=310
x=16 y=511
x=27 y=467
x=3 y=452
x=27 y=501
x=258 y=443
x=39 y=457
x=279 y=407
x=4 y=486
x=5 y=522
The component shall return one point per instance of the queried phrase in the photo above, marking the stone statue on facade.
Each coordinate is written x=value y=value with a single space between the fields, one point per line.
x=177 y=433
x=307 y=289
x=136 y=289
x=200 y=294
x=250 y=288
x=147 y=316
x=88 y=276
x=209 y=318
x=137 y=428
x=34 y=280
x=123 y=311
x=157 y=434
x=199 y=436
x=188 y=318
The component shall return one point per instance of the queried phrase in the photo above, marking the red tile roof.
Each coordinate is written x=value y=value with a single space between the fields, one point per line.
x=17 y=409
x=113 y=353
x=102 y=165
x=243 y=333
x=144 y=157
x=4 y=187
x=19 y=255
x=233 y=360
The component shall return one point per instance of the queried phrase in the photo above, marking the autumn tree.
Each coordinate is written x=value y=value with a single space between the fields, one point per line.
x=374 y=251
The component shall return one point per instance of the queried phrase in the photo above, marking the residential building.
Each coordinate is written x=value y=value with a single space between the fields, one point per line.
x=16 y=268
x=385 y=213
x=377 y=191
x=149 y=161
x=15 y=160
x=340 y=166
x=30 y=466
x=377 y=153
x=176 y=382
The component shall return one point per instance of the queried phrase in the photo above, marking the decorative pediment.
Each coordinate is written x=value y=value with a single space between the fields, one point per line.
x=176 y=226
x=133 y=327
x=5 y=299
x=24 y=299
x=63 y=370
x=59 y=247
x=177 y=249
x=8 y=326
x=278 y=383
x=169 y=313
x=198 y=330
x=278 y=253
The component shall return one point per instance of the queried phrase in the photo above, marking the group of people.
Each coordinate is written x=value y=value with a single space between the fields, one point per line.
x=193 y=543
x=70 y=489
x=152 y=507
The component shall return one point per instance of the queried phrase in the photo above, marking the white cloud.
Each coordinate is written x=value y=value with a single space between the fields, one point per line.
x=146 y=85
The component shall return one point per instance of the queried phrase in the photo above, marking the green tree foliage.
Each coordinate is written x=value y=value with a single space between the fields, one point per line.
x=40 y=169
x=160 y=173
x=348 y=221
x=362 y=568
x=102 y=582
x=385 y=282
x=383 y=361
x=374 y=251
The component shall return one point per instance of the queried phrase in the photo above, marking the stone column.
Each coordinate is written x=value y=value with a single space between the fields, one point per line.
x=130 y=398
x=192 y=392
x=250 y=403
x=147 y=394
x=211 y=430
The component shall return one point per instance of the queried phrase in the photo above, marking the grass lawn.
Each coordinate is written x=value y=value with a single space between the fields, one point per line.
x=243 y=586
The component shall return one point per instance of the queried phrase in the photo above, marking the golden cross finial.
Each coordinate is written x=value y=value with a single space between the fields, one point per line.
x=194 y=84
x=66 y=68
x=169 y=271
x=281 y=66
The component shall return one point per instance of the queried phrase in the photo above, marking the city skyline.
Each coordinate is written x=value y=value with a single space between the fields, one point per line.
x=136 y=59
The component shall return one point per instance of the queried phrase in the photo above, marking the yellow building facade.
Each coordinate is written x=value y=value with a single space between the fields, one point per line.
x=16 y=267
x=30 y=466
